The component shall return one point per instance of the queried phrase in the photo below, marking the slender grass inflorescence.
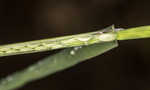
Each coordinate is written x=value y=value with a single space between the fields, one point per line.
x=104 y=35
x=101 y=41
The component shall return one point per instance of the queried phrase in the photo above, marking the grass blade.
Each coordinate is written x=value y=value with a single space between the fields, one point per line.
x=134 y=33
x=60 y=61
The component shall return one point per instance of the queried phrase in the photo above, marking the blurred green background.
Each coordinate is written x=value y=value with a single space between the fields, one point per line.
x=124 y=68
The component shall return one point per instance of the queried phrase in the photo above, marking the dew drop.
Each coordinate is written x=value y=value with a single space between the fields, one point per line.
x=84 y=39
x=80 y=46
x=72 y=52
x=76 y=48
x=107 y=37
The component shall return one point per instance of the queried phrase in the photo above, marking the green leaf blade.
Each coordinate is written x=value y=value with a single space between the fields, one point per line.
x=134 y=33
x=55 y=63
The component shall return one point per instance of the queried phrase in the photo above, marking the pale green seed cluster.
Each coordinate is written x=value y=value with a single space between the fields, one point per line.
x=56 y=43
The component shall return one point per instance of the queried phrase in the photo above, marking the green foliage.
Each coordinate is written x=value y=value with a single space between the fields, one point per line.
x=54 y=63
x=84 y=46
x=134 y=33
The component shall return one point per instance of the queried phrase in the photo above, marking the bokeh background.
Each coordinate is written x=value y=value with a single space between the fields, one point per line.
x=124 y=68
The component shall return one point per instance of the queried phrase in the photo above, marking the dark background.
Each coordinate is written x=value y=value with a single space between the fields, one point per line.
x=124 y=68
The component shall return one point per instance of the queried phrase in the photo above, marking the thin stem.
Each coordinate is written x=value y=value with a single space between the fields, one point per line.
x=134 y=33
